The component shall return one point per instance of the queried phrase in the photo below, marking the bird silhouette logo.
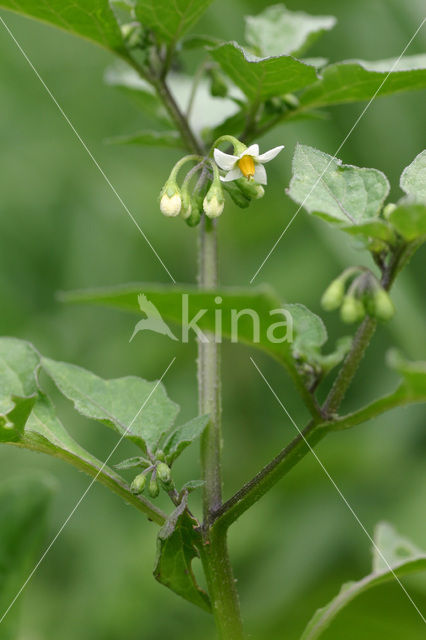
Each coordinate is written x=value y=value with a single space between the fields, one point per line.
x=153 y=320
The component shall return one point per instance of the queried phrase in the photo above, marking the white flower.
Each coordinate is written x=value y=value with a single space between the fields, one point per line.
x=248 y=164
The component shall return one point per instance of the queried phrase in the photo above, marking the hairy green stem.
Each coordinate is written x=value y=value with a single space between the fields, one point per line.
x=214 y=553
x=221 y=586
x=209 y=377
x=176 y=115
x=350 y=365
x=269 y=475
x=215 y=556
x=398 y=398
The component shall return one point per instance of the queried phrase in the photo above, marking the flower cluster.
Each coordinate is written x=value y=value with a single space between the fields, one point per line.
x=160 y=475
x=365 y=295
x=244 y=169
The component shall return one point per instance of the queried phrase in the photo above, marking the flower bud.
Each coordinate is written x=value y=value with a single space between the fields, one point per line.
x=138 y=484
x=333 y=296
x=194 y=218
x=163 y=473
x=291 y=101
x=132 y=34
x=250 y=188
x=153 y=488
x=218 y=86
x=196 y=210
x=214 y=201
x=160 y=455
x=237 y=195
x=388 y=210
x=186 y=208
x=383 y=307
x=170 y=199
x=352 y=309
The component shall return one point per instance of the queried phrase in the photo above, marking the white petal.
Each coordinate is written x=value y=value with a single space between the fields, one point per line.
x=252 y=150
x=224 y=160
x=269 y=155
x=234 y=174
x=260 y=174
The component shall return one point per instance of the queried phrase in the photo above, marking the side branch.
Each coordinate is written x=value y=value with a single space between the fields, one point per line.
x=269 y=475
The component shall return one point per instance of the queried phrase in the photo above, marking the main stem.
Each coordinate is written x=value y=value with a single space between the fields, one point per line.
x=215 y=556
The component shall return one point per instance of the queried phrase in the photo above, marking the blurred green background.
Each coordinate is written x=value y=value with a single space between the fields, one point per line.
x=61 y=228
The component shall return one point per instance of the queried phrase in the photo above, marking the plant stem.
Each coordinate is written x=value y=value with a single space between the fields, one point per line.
x=209 y=377
x=397 y=398
x=253 y=490
x=215 y=556
x=350 y=365
x=214 y=553
x=221 y=586
x=315 y=431
x=177 y=116
x=298 y=447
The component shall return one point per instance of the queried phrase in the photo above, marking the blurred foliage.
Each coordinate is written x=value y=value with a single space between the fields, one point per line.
x=62 y=228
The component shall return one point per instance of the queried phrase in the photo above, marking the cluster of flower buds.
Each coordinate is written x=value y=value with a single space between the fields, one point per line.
x=364 y=295
x=205 y=197
x=160 y=476
x=242 y=173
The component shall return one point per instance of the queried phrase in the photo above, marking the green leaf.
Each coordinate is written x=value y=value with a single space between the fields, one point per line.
x=401 y=556
x=170 y=20
x=13 y=422
x=91 y=19
x=24 y=504
x=328 y=361
x=132 y=463
x=182 y=437
x=192 y=485
x=253 y=316
x=310 y=336
x=378 y=229
x=199 y=42
x=261 y=78
x=18 y=386
x=335 y=191
x=413 y=375
x=176 y=548
x=42 y=430
x=409 y=219
x=310 y=329
x=391 y=548
x=169 y=139
x=18 y=364
x=277 y=31
x=357 y=80
x=131 y=406
x=413 y=178
x=170 y=300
